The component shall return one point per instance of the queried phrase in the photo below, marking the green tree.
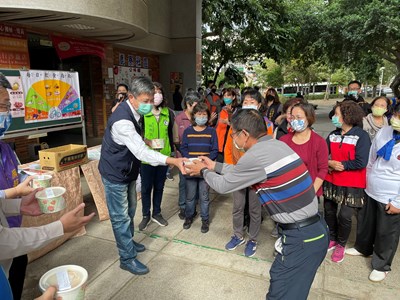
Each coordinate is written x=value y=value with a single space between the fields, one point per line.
x=269 y=73
x=242 y=30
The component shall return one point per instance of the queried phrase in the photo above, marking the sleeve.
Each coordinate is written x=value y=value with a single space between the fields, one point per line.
x=214 y=144
x=171 y=125
x=372 y=152
x=124 y=133
x=228 y=157
x=2 y=194
x=362 y=152
x=245 y=173
x=322 y=157
x=18 y=241
x=184 y=149
x=10 y=207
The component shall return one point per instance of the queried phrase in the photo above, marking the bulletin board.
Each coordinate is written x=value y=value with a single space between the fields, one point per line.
x=48 y=103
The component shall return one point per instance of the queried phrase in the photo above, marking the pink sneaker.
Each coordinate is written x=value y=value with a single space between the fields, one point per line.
x=332 y=245
x=338 y=254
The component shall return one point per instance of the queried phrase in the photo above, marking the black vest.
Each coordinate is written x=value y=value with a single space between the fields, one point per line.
x=117 y=163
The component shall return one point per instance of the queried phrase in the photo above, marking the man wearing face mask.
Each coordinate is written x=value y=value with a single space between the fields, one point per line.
x=121 y=152
x=354 y=94
x=284 y=187
x=122 y=95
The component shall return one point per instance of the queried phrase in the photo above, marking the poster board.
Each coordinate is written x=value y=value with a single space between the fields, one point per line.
x=24 y=122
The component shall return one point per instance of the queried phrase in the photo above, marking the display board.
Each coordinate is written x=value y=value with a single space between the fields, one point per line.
x=43 y=101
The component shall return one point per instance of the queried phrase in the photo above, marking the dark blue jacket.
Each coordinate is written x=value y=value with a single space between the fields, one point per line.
x=118 y=164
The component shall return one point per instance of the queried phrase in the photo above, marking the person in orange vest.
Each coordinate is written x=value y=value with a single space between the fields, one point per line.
x=252 y=99
x=213 y=101
x=223 y=124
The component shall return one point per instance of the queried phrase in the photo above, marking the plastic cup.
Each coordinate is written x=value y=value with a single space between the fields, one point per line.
x=190 y=162
x=76 y=278
x=157 y=144
x=51 y=199
x=41 y=181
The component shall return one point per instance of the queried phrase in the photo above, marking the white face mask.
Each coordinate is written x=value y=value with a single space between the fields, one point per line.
x=250 y=107
x=241 y=149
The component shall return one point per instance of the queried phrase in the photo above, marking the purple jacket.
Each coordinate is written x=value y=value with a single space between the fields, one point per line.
x=9 y=176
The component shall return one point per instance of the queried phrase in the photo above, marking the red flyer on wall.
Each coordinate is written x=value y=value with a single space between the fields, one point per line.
x=66 y=47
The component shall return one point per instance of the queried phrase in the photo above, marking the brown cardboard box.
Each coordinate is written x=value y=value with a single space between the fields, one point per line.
x=63 y=157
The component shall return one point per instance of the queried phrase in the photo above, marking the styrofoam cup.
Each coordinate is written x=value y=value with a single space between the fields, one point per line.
x=41 y=181
x=157 y=143
x=190 y=162
x=51 y=199
x=77 y=277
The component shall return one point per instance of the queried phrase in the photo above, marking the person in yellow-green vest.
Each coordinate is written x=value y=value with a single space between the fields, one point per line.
x=157 y=134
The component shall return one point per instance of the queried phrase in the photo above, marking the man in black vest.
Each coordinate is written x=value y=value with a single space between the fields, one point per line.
x=121 y=152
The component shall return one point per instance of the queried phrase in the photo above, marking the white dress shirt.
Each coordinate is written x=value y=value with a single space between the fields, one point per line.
x=123 y=132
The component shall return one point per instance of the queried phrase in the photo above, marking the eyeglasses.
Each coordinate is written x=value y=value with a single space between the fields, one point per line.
x=5 y=107
x=237 y=133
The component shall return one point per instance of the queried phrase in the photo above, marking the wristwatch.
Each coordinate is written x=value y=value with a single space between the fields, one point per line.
x=202 y=172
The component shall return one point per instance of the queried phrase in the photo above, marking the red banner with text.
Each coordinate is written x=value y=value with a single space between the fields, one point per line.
x=66 y=47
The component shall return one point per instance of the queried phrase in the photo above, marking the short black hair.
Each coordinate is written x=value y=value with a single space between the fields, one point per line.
x=355 y=81
x=250 y=120
x=254 y=94
x=123 y=85
x=200 y=107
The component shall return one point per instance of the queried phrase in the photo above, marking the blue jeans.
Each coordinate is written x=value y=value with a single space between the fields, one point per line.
x=197 y=187
x=182 y=191
x=121 y=203
x=152 y=177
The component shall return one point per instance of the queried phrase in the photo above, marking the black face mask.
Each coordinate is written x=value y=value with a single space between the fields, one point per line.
x=270 y=98
x=213 y=90
x=122 y=96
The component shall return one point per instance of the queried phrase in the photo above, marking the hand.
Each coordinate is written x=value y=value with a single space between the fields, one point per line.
x=195 y=168
x=209 y=164
x=336 y=165
x=49 y=294
x=391 y=210
x=29 y=205
x=147 y=142
x=71 y=221
x=24 y=187
x=178 y=162
x=213 y=116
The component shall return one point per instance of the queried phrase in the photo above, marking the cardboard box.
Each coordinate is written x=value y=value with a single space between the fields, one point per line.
x=63 y=157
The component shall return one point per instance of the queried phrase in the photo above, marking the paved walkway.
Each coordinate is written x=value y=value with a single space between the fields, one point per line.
x=187 y=264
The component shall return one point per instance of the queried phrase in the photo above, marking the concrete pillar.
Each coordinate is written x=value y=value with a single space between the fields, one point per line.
x=185 y=38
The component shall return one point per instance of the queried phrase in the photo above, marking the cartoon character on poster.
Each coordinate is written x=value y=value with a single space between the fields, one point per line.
x=16 y=97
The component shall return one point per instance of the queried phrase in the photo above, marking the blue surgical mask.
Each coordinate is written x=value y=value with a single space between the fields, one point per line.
x=5 y=122
x=298 y=125
x=228 y=101
x=201 y=120
x=353 y=93
x=250 y=107
x=336 y=122
x=144 y=108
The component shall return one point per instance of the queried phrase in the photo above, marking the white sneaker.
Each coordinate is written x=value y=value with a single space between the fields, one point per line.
x=377 y=276
x=353 y=251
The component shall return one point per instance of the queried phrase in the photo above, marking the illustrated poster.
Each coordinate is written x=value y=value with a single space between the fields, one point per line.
x=126 y=74
x=16 y=97
x=50 y=95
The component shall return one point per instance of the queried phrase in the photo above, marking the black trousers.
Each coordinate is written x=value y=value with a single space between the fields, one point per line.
x=16 y=276
x=378 y=234
x=339 y=223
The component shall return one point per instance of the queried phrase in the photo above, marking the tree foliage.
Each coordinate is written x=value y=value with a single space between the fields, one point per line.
x=242 y=30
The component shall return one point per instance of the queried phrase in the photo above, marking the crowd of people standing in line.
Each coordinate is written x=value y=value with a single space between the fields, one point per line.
x=268 y=155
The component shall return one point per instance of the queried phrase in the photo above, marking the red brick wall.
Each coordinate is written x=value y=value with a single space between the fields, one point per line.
x=22 y=147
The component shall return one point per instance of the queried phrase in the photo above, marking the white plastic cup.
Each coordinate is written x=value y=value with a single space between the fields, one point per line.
x=77 y=276
x=51 y=199
x=157 y=144
x=190 y=162
x=41 y=181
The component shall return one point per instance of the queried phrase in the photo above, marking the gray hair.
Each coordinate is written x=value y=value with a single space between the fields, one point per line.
x=250 y=120
x=141 y=85
x=4 y=81
x=191 y=97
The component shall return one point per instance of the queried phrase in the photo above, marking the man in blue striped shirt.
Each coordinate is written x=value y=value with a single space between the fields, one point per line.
x=285 y=189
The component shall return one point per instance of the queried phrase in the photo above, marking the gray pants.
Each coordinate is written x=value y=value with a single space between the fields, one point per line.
x=239 y=201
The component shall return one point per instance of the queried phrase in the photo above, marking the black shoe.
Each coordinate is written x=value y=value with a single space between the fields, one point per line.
x=205 y=226
x=181 y=214
x=139 y=247
x=160 y=220
x=145 y=222
x=188 y=223
x=135 y=267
